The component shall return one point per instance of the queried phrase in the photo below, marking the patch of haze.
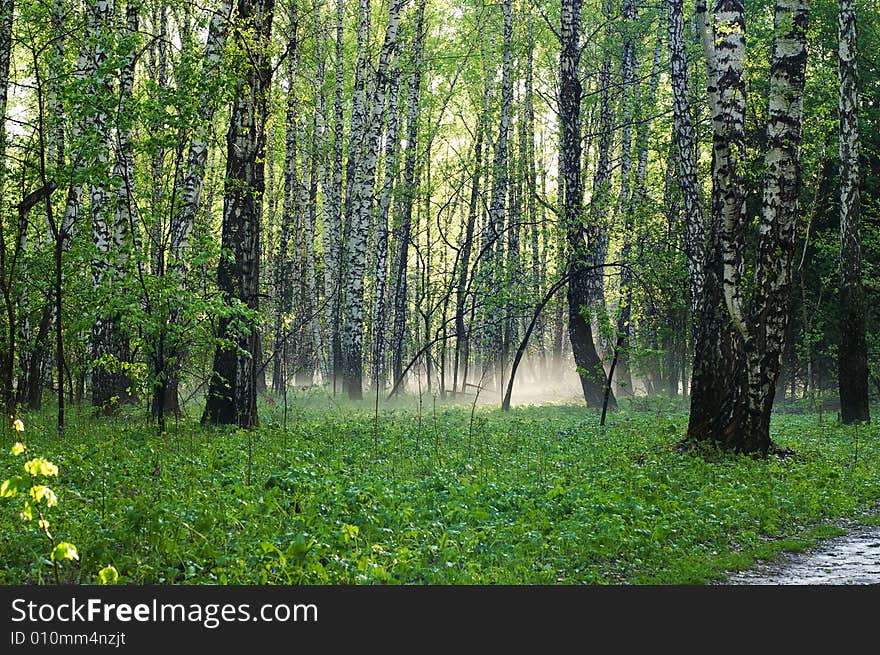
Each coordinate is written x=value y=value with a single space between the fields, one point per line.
x=538 y=383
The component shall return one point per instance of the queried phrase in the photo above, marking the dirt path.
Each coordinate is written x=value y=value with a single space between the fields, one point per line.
x=851 y=559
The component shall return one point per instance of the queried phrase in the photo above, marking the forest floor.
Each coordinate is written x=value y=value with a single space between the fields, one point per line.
x=425 y=491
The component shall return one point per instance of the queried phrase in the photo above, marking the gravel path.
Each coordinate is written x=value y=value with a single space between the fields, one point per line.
x=851 y=559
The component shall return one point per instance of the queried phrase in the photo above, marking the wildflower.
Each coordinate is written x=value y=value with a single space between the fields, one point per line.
x=18 y=425
x=17 y=448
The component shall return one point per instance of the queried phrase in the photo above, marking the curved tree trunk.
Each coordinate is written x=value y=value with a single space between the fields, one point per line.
x=589 y=366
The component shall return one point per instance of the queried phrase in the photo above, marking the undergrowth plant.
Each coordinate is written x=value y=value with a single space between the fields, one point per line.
x=37 y=500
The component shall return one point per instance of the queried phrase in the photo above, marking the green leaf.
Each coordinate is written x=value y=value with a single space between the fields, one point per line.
x=108 y=575
x=9 y=488
x=63 y=551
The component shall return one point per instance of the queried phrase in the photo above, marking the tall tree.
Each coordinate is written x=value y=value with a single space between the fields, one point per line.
x=403 y=233
x=332 y=215
x=361 y=207
x=110 y=346
x=380 y=302
x=284 y=272
x=188 y=188
x=853 y=359
x=497 y=202
x=232 y=395
x=685 y=156
x=589 y=366
x=738 y=350
x=7 y=349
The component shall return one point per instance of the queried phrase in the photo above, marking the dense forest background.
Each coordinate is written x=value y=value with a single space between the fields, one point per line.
x=205 y=201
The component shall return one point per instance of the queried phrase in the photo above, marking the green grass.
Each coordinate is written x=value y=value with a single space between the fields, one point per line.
x=538 y=495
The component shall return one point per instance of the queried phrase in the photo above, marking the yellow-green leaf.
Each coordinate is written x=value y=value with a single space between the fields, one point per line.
x=8 y=488
x=63 y=551
x=40 y=466
x=41 y=491
x=108 y=575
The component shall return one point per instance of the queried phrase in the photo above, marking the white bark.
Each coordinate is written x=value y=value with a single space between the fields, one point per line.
x=354 y=249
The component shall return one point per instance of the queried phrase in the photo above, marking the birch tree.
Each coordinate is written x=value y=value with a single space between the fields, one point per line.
x=232 y=392
x=362 y=196
x=739 y=348
x=685 y=156
x=110 y=381
x=403 y=232
x=188 y=187
x=853 y=358
x=589 y=367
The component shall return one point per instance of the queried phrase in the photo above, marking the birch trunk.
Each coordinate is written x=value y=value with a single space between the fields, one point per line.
x=629 y=109
x=407 y=195
x=232 y=392
x=718 y=345
x=494 y=259
x=316 y=175
x=284 y=273
x=7 y=350
x=600 y=203
x=589 y=367
x=853 y=359
x=685 y=162
x=354 y=251
x=738 y=418
x=380 y=306
x=188 y=188
x=332 y=217
x=110 y=385
x=460 y=363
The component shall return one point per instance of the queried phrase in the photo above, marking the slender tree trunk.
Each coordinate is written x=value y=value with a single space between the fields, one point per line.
x=232 y=391
x=407 y=195
x=317 y=178
x=461 y=334
x=685 y=164
x=354 y=251
x=600 y=204
x=7 y=350
x=531 y=186
x=380 y=306
x=311 y=333
x=284 y=273
x=853 y=359
x=189 y=190
x=332 y=216
x=589 y=367
x=624 y=206
x=494 y=260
